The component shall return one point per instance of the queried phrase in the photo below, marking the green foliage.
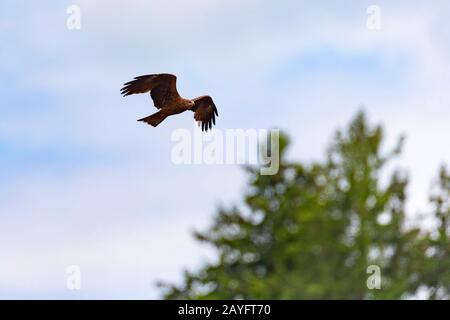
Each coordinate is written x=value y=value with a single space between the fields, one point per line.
x=437 y=268
x=312 y=230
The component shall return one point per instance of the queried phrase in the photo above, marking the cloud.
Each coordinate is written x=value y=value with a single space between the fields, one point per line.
x=125 y=229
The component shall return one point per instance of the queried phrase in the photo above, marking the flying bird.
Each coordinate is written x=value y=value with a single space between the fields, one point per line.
x=163 y=91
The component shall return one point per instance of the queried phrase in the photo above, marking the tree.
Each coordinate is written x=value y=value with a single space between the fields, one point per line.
x=437 y=269
x=331 y=230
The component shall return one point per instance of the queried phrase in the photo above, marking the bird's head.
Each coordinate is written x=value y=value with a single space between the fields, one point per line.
x=191 y=104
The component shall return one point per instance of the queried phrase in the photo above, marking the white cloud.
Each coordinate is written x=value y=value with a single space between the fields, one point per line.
x=126 y=229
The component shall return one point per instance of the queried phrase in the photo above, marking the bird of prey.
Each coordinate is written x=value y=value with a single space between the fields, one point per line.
x=163 y=91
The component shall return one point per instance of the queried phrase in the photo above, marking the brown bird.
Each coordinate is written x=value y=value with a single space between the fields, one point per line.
x=163 y=91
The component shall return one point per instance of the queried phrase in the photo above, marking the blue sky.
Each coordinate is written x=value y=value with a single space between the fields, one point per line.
x=82 y=183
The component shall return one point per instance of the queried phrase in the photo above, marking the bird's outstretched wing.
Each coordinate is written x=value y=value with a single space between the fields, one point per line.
x=205 y=111
x=162 y=88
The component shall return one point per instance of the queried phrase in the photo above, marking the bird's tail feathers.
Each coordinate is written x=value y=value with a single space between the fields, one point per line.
x=154 y=119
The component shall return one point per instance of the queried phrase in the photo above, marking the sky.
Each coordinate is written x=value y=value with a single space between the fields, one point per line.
x=83 y=184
